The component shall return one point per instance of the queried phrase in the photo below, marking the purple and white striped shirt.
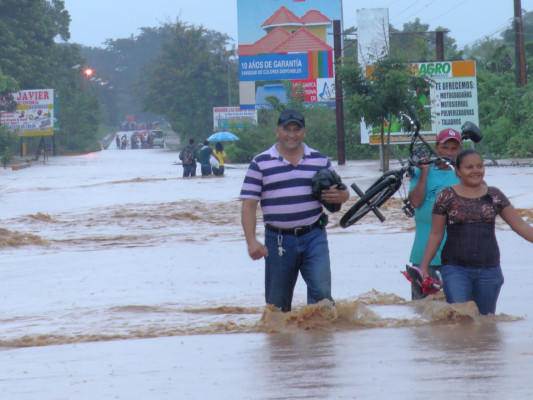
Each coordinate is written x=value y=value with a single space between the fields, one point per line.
x=284 y=191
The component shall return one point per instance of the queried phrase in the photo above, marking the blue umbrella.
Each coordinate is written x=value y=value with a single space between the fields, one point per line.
x=222 y=137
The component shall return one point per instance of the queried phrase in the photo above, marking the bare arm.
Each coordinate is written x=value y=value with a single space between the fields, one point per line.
x=256 y=250
x=517 y=224
x=438 y=223
x=417 y=195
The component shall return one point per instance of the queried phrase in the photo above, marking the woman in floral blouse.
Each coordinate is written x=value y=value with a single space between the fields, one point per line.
x=470 y=257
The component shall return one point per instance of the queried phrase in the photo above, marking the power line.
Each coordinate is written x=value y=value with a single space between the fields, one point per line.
x=500 y=28
x=461 y=3
x=416 y=12
x=407 y=8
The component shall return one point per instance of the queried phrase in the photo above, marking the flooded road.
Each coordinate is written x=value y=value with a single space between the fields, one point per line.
x=120 y=279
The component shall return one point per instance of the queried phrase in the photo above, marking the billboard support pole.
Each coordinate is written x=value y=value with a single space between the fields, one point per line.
x=440 y=44
x=339 y=105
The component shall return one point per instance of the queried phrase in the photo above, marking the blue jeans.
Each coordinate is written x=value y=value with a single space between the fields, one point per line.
x=206 y=169
x=482 y=285
x=189 y=170
x=218 y=171
x=307 y=254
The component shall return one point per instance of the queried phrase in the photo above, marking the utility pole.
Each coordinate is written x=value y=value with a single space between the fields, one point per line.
x=339 y=101
x=520 y=57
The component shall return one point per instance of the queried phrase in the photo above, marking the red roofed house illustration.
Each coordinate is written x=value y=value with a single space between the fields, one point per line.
x=287 y=33
x=285 y=18
x=266 y=44
x=293 y=48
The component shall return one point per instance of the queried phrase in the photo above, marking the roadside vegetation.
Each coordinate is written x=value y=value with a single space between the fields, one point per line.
x=178 y=72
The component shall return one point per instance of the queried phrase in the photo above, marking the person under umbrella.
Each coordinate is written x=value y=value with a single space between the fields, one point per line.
x=220 y=154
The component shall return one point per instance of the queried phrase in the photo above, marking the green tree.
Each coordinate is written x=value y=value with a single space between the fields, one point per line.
x=8 y=144
x=31 y=55
x=8 y=139
x=121 y=64
x=8 y=85
x=321 y=134
x=379 y=97
x=349 y=40
x=28 y=29
x=77 y=105
x=508 y=35
x=506 y=114
x=412 y=47
x=187 y=80
x=505 y=111
x=413 y=43
x=493 y=55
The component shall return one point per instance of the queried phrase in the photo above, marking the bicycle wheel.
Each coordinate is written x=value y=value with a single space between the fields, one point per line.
x=374 y=197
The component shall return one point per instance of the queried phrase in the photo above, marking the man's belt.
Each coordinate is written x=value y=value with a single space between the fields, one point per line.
x=300 y=230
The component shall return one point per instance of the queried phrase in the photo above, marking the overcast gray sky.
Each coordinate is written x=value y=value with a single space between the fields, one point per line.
x=94 y=21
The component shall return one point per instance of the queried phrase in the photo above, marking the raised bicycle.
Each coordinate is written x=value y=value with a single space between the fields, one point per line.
x=420 y=153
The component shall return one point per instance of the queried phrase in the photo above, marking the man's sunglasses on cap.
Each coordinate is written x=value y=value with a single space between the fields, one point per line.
x=290 y=115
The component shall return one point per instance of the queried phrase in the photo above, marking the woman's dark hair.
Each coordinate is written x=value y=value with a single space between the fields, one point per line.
x=463 y=153
x=218 y=146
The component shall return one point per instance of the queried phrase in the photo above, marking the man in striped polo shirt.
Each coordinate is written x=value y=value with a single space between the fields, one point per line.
x=295 y=236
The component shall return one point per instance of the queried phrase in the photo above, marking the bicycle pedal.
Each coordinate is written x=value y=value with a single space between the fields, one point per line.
x=408 y=209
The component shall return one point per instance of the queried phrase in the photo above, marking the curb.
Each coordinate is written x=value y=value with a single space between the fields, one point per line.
x=20 y=166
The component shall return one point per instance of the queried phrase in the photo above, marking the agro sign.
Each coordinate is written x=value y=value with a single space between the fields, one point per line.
x=34 y=114
x=451 y=101
x=435 y=68
x=453 y=94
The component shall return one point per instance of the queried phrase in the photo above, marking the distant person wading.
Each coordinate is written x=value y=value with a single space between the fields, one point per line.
x=188 y=156
x=220 y=154
x=205 y=156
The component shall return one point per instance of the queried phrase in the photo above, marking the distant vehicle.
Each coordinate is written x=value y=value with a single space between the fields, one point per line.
x=159 y=138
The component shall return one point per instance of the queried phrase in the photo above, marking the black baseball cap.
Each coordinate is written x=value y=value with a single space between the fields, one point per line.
x=291 y=115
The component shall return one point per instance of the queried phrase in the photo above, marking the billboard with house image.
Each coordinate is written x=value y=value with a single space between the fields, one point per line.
x=286 y=46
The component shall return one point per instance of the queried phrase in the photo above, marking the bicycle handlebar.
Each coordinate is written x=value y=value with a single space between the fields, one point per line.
x=412 y=114
x=432 y=160
x=390 y=182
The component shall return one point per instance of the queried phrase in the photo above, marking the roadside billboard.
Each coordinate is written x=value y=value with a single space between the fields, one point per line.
x=34 y=115
x=286 y=45
x=451 y=100
x=225 y=118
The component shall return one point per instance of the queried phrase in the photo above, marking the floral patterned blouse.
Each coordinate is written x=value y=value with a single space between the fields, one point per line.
x=470 y=225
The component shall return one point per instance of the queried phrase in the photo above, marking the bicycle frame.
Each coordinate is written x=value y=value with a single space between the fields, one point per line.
x=390 y=182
